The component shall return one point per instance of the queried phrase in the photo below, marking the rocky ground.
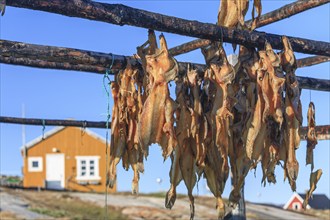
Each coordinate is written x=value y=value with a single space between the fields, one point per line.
x=12 y=206
x=18 y=204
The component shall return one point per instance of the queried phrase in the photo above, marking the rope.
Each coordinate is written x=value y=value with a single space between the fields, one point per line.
x=106 y=86
x=43 y=128
x=106 y=76
x=84 y=125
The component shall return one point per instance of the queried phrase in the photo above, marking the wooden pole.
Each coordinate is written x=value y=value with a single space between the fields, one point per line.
x=189 y=46
x=268 y=18
x=13 y=52
x=314 y=84
x=310 y=61
x=53 y=122
x=52 y=65
x=322 y=131
x=287 y=11
x=18 y=53
x=239 y=212
x=123 y=15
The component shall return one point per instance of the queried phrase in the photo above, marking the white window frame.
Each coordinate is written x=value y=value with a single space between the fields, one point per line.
x=30 y=163
x=96 y=175
x=296 y=204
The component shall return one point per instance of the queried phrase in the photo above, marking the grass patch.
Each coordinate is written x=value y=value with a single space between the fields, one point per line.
x=322 y=214
x=155 y=194
x=250 y=215
x=75 y=209
x=161 y=195
x=49 y=212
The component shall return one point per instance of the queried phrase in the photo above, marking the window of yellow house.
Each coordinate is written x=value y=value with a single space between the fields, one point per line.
x=35 y=164
x=87 y=168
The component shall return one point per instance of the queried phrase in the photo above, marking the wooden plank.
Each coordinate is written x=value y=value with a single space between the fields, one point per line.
x=18 y=53
x=123 y=15
x=310 y=61
x=322 y=131
x=45 y=64
x=314 y=84
x=287 y=11
x=54 y=122
x=279 y=14
x=189 y=46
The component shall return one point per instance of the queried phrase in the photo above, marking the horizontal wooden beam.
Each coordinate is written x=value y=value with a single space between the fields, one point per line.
x=18 y=53
x=310 y=61
x=268 y=18
x=314 y=84
x=41 y=56
x=287 y=11
x=50 y=57
x=189 y=46
x=54 y=122
x=45 y=64
x=123 y=15
x=322 y=132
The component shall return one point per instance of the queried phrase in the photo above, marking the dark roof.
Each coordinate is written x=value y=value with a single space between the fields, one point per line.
x=317 y=201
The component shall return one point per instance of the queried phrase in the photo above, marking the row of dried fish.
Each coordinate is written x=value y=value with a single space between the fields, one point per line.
x=143 y=112
x=228 y=118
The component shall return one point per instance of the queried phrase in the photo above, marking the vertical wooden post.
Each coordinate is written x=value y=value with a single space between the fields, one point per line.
x=239 y=213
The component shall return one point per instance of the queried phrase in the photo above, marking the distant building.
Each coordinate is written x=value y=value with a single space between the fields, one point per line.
x=14 y=181
x=66 y=158
x=318 y=201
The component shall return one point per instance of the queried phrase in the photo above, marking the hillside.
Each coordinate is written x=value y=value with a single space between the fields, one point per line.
x=26 y=204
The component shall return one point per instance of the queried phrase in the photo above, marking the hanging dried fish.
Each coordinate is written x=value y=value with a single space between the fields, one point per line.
x=311 y=135
x=232 y=12
x=183 y=157
x=2 y=7
x=157 y=117
x=292 y=115
x=313 y=180
x=125 y=116
x=232 y=117
x=219 y=76
x=258 y=8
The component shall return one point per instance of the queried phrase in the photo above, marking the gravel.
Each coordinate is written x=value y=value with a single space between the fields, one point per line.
x=18 y=206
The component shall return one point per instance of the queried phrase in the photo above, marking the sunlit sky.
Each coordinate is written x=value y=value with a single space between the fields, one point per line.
x=57 y=94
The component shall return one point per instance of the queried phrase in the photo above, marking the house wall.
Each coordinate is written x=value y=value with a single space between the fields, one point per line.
x=71 y=142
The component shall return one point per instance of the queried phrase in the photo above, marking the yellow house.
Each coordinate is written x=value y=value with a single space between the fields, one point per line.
x=66 y=158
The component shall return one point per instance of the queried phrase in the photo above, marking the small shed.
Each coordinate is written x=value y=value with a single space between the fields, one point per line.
x=66 y=158
x=317 y=201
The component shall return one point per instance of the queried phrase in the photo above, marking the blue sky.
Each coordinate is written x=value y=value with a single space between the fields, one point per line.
x=57 y=94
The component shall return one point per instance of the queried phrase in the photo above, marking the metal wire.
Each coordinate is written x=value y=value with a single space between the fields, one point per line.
x=106 y=86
